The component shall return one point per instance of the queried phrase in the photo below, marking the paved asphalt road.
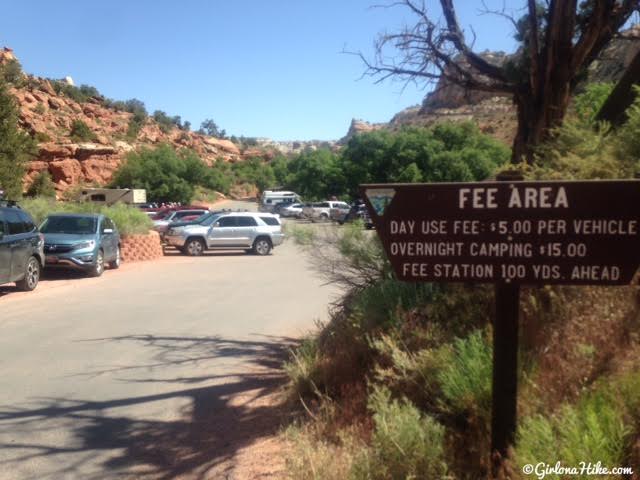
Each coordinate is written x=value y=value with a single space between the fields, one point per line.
x=152 y=371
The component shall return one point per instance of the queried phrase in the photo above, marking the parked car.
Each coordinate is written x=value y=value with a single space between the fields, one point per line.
x=86 y=242
x=161 y=225
x=292 y=210
x=357 y=212
x=250 y=231
x=322 y=210
x=270 y=198
x=21 y=248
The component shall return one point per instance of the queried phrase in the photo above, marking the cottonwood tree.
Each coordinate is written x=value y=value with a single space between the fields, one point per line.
x=558 y=39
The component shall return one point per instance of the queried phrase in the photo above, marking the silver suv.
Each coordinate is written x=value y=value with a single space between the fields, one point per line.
x=250 y=231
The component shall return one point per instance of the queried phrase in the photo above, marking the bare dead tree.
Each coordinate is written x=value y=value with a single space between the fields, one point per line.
x=560 y=39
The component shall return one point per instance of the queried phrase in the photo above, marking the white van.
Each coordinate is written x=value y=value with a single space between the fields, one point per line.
x=272 y=197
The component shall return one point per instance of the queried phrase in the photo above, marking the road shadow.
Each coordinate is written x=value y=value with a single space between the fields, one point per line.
x=217 y=421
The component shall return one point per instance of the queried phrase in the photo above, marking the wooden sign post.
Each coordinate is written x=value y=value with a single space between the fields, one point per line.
x=509 y=233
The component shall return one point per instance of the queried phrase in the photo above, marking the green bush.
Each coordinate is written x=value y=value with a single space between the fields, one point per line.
x=165 y=122
x=42 y=186
x=11 y=72
x=581 y=149
x=589 y=103
x=302 y=367
x=42 y=137
x=129 y=220
x=465 y=380
x=593 y=430
x=79 y=94
x=405 y=444
x=80 y=132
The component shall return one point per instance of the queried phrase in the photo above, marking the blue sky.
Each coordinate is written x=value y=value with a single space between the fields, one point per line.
x=267 y=68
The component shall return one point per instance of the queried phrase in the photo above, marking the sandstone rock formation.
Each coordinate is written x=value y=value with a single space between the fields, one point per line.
x=48 y=117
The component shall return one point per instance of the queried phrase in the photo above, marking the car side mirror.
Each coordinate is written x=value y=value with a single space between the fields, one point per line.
x=107 y=231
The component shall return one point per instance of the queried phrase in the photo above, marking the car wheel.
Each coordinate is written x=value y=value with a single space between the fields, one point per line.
x=98 y=267
x=31 y=276
x=262 y=246
x=194 y=247
x=115 y=263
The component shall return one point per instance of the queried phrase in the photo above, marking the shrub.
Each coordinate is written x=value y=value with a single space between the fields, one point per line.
x=302 y=368
x=594 y=429
x=589 y=103
x=42 y=137
x=39 y=109
x=80 y=132
x=79 y=94
x=42 y=186
x=129 y=220
x=311 y=459
x=136 y=122
x=465 y=379
x=404 y=445
x=11 y=72
x=165 y=122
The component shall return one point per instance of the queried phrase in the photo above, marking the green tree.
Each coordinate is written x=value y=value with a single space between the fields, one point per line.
x=161 y=171
x=209 y=127
x=254 y=171
x=42 y=186
x=444 y=153
x=558 y=40
x=316 y=174
x=16 y=147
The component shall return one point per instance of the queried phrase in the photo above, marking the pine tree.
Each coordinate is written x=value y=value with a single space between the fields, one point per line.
x=16 y=147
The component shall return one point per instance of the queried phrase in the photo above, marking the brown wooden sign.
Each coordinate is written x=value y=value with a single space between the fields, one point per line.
x=579 y=233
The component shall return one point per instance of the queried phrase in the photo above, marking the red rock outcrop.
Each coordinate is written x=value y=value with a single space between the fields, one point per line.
x=49 y=116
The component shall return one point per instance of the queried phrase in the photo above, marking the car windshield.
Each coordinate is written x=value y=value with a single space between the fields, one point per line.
x=74 y=225
x=207 y=219
x=163 y=215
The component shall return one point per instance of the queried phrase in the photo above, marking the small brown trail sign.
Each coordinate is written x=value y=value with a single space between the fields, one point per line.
x=578 y=233
x=509 y=233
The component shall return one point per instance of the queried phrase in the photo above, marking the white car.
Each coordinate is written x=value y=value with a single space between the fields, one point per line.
x=322 y=210
x=293 y=210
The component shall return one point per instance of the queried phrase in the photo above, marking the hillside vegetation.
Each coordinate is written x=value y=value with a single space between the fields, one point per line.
x=398 y=384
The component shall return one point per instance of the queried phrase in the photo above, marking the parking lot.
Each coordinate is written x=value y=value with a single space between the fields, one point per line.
x=167 y=368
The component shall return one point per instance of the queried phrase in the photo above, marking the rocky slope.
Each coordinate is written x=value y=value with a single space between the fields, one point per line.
x=49 y=117
x=495 y=114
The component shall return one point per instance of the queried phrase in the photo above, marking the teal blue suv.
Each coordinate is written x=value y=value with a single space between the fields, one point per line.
x=86 y=242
